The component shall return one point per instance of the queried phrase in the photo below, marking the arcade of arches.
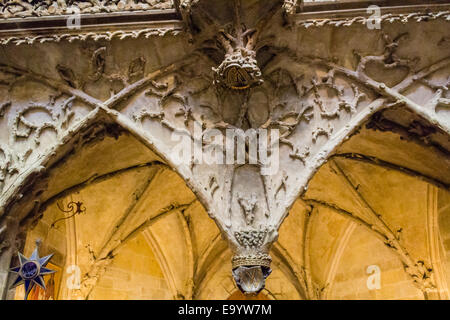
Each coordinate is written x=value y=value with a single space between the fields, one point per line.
x=360 y=205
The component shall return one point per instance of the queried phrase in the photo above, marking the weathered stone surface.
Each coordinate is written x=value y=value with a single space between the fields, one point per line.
x=24 y=8
x=317 y=87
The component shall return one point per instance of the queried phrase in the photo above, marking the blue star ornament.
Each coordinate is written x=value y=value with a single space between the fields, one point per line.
x=31 y=271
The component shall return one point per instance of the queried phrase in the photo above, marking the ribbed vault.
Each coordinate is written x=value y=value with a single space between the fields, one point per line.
x=363 y=156
x=144 y=234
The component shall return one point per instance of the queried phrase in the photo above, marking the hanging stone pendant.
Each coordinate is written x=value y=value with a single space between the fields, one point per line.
x=251 y=279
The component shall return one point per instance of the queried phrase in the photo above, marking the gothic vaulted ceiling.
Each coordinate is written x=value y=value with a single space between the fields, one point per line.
x=357 y=121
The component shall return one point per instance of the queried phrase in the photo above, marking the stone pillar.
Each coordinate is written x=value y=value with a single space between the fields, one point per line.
x=8 y=234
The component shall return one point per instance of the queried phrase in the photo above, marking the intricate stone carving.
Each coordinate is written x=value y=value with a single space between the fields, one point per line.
x=92 y=35
x=255 y=244
x=251 y=238
x=421 y=275
x=38 y=8
x=98 y=63
x=300 y=155
x=328 y=82
x=290 y=6
x=239 y=70
x=315 y=110
x=213 y=185
x=386 y=18
x=59 y=119
x=248 y=205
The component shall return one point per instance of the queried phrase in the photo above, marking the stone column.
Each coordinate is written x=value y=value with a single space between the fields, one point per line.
x=8 y=234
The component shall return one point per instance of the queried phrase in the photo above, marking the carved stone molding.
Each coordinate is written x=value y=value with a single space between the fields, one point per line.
x=402 y=14
x=387 y=18
x=93 y=35
x=91 y=8
x=39 y=8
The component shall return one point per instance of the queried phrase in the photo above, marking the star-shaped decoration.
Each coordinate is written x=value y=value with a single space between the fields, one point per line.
x=31 y=270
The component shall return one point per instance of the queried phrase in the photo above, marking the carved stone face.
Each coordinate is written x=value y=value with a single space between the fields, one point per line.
x=251 y=279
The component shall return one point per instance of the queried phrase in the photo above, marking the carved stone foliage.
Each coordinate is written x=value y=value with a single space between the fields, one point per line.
x=303 y=104
x=385 y=18
x=34 y=128
x=96 y=36
x=311 y=108
x=23 y=8
x=239 y=70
